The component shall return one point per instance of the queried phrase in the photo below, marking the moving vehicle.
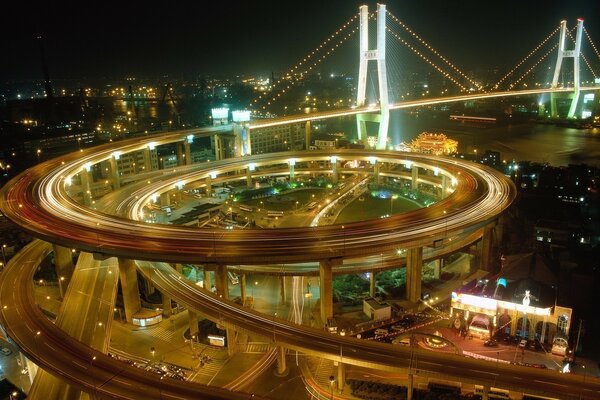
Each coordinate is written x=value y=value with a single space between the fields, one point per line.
x=480 y=327
x=6 y=351
x=560 y=346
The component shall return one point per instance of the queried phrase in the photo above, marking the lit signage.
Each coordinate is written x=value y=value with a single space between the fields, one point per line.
x=240 y=115
x=220 y=113
x=475 y=301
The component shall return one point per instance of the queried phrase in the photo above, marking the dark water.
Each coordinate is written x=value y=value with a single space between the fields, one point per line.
x=523 y=141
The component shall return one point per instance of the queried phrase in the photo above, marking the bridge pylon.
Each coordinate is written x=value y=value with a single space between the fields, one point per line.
x=563 y=53
x=378 y=55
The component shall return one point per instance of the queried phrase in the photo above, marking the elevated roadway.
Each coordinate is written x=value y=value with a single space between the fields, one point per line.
x=38 y=201
x=56 y=351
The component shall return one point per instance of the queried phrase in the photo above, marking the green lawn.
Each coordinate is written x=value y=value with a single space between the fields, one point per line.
x=373 y=207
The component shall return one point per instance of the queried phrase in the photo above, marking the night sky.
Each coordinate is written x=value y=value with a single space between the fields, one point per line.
x=177 y=38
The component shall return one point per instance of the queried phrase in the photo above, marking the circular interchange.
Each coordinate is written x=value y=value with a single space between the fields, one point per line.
x=38 y=201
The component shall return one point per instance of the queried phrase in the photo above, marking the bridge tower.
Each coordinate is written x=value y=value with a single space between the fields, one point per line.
x=563 y=53
x=378 y=55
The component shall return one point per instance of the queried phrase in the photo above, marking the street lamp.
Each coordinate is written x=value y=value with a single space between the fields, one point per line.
x=38 y=154
x=3 y=254
x=152 y=350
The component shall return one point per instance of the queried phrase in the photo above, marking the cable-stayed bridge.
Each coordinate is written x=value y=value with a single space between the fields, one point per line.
x=564 y=85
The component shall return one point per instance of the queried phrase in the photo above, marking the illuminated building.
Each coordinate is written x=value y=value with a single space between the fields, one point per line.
x=433 y=143
x=521 y=302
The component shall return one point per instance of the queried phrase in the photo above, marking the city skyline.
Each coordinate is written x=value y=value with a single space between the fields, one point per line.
x=187 y=40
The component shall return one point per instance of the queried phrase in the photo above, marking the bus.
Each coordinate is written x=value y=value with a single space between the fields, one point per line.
x=480 y=327
x=273 y=214
x=233 y=278
x=494 y=393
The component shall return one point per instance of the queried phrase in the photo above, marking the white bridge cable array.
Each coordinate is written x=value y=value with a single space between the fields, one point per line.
x=432 y=50
x=317 y=55
x=532 y=68
x=531 y=53
x=587 y=63
x=591 y=42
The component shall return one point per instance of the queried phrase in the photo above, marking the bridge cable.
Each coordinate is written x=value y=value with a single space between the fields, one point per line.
x=532 y=52
x=291 y=73
x=532 y=67
x=427 y=60
x=591 y=42
x=583 y=56
x=434 y=51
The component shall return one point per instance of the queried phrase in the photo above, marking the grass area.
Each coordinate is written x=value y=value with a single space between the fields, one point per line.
x=372 y=208
x=287 y=201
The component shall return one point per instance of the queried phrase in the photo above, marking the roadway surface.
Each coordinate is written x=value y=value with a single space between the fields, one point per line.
x=37 y=200
x=56 y=351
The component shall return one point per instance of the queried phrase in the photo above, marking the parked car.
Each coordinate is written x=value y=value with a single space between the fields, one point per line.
x=523 y=343
x=490 y=343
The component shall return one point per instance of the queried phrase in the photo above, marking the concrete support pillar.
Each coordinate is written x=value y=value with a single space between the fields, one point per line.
x=334 y=171
x=486 y=392
x=177 y=195
x=218 y=147
x=221 y=281
x=147 y=160
x=376 y=169
x=208 y=182
x=410 y=387
x=178 y=268
x=373 y=286
x=243 y=293
x=248 y=178
x=414 y=177
x=63 y=265
x=193 y=322
x=207 y=281
x=414 y=269
x=281 y=364
x=166 y=303
x=187 y=155
x=86 y=180
x=486 y=248
x=325 y=287
x=179 y=152
x=292 y=173
x=165 y=200
x=444 y=186
x=129 y=287
x=341 y=376
x=114 y=172
x=231 y=341
x=282 y=292
x=307 y=135
x=437 y=268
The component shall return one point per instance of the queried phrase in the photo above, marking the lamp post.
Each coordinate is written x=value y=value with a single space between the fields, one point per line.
x=4 y=254
x=38 y=152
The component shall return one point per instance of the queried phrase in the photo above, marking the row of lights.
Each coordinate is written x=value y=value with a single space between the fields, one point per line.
x=591 y=42
x=434 y=51
x=298 y=76
x=532 y=52
x=583 y=56
x=532 y=67
x=427 y=60
x=292 y=70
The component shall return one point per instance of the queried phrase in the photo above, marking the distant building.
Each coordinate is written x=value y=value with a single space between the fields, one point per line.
x=434 y=143
x=277 y=138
